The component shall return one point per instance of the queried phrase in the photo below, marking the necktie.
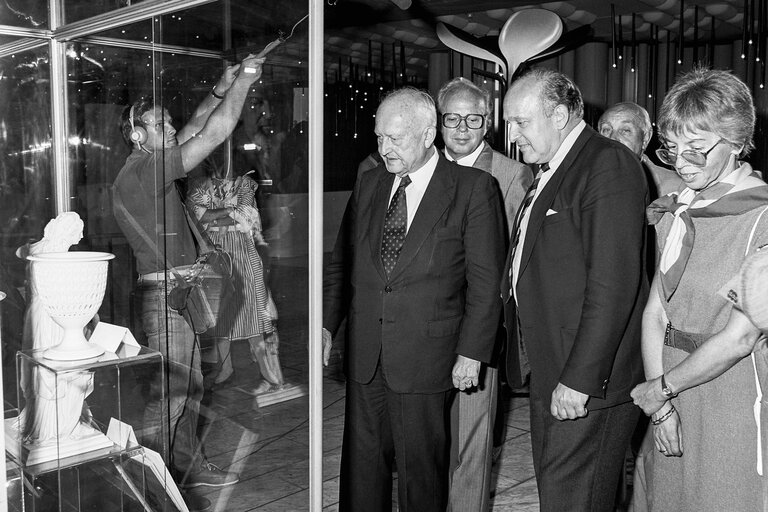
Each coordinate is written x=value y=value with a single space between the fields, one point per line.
x=527 y=200
x=395 y=226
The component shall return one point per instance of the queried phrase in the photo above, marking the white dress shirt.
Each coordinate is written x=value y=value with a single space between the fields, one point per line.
x=467 y=160
x=415 y=191
x=562 y=151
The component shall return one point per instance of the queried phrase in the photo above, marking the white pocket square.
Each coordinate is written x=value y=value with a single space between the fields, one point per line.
x=551 y=212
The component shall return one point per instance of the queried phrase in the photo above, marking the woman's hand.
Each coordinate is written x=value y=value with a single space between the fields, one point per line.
x=648 y=396
x=668 y=435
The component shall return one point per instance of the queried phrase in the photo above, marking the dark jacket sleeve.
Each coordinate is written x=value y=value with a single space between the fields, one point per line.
x=484 y=242
x=613 y=234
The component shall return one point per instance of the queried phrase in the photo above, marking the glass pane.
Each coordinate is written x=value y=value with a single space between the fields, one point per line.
x=26 y=203
x=24 y=13
x=249 y=196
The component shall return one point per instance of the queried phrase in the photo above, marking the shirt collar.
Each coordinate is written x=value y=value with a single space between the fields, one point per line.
x=422 y=175
x=467 y=160
x=567 y=144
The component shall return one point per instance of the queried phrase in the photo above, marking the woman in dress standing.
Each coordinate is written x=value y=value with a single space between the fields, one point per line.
x=226 y=207
x=705 y=438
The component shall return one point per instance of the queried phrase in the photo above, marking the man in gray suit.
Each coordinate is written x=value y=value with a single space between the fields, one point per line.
x=465 y=111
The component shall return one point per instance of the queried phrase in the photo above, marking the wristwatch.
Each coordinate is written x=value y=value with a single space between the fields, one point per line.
x=665 y=389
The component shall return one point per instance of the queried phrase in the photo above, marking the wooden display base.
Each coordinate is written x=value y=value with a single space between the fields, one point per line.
x=30 y=454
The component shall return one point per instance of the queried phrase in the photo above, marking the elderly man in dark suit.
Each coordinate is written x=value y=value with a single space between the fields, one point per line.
x=574 y=291
x=413 y=272
x=464 y=113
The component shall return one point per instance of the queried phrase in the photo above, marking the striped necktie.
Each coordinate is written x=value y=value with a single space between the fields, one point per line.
x=527 y=200
x=395 y=226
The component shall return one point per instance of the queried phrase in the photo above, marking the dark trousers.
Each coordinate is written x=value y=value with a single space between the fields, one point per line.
x=381 y=426
x=578 y=463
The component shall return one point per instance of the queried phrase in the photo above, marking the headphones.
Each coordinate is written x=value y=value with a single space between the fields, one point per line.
x=138 y=133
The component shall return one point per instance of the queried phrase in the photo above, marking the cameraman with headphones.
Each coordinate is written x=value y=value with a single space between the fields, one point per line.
x=148 y=208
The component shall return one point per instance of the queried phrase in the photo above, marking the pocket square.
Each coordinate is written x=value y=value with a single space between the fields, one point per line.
x=551 y=212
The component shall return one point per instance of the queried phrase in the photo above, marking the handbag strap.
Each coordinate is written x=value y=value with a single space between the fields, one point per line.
x=759 y=397
x=203 y=240
x=135 y=224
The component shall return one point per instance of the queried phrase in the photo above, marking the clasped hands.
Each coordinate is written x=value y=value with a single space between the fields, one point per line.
x=667 y=431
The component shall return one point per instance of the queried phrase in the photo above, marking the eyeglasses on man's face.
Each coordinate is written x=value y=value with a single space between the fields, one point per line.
x=692 y=156
x=473 y=121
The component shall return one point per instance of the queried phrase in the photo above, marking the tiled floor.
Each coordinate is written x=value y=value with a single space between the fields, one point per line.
x=269 y=446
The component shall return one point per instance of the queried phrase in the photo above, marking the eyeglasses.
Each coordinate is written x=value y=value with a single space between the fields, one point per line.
x=692 y=156
x=473 y=121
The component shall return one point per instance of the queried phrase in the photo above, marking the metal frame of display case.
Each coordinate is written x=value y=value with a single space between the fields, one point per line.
x=56 y=38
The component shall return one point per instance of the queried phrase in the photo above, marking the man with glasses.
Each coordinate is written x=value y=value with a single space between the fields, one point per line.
x=149 y=211
x=464 y=114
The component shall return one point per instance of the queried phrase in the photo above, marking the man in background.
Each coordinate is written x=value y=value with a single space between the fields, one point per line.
x=151 y=215
x=464 y=115
x=630 y=124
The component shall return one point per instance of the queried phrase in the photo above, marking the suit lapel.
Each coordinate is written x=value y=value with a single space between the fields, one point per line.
x=378 y=211
x=484 y=159
x=547 y=197
x=436 y=200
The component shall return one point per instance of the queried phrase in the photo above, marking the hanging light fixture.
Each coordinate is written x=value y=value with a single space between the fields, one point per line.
x=759 y=46
x=651 y=65
x=621 y=38
x=614 y=48
x=744 y=25
x=633 y=53
x=681 y=36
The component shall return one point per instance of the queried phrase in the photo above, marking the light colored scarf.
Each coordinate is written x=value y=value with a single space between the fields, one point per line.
x=739 y=192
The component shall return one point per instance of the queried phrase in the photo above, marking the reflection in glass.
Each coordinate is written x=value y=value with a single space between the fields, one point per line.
x=25 y=13
x=177 y=58
x=25 y=184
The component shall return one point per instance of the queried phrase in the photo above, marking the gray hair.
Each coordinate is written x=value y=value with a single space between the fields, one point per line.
x=638 y=112
x=712 y=100
x=555 y=89
x=420 y=104
x=462 y=85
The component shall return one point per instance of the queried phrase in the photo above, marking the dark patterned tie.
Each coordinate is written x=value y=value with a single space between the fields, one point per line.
x=395 y=226
x=527 y=200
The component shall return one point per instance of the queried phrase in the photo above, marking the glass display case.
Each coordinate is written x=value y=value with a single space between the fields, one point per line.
x=81 y=426
x=70 y=71
x=81 y=438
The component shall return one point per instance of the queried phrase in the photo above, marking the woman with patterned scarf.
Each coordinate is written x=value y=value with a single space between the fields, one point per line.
x=705 y=457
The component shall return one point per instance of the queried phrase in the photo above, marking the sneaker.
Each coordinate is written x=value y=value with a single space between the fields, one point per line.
x=196 y=503
x=209 y=475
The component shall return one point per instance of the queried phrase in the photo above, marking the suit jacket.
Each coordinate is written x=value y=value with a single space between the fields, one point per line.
x=441 y=298
x=581 y=286
x=514 y=179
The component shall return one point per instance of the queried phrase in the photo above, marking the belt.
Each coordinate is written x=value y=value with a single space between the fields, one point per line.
x=156 y=276
x=222 y=229
x=163 y=276
x=686 y=341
